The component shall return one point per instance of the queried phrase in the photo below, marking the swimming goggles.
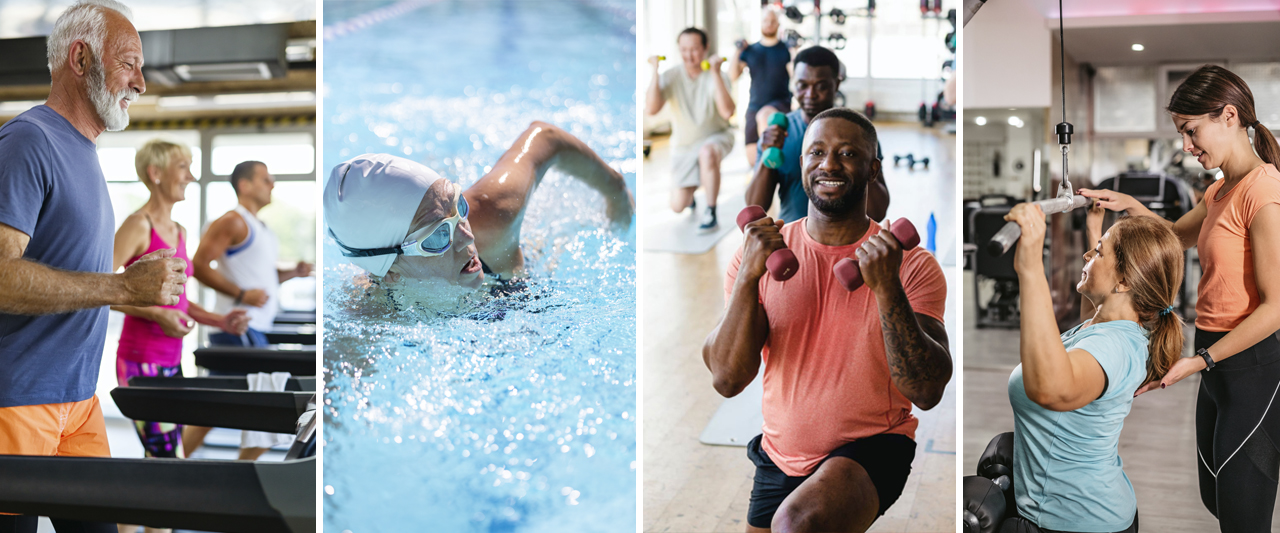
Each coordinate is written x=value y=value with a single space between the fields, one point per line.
x=438 y=238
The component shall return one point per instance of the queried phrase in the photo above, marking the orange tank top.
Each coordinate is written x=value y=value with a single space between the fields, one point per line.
x=1228 y=289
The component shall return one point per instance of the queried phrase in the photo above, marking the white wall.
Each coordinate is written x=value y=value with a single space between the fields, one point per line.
x=1007 y=57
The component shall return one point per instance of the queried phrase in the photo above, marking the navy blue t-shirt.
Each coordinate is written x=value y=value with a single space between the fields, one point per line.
x=52 y=189
x=769 y=77
x=794 y=203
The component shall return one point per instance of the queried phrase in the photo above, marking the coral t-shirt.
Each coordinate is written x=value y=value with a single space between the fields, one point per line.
x=826 y=379
x=1229 y=288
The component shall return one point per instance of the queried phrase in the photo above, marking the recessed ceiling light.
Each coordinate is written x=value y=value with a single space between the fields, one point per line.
x=1138 y=47
x=981 y=121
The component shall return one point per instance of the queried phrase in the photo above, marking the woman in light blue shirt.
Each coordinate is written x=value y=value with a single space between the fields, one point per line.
x=1071 y=393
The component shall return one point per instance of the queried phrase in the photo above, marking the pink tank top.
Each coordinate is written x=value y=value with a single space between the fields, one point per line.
x=143 y=341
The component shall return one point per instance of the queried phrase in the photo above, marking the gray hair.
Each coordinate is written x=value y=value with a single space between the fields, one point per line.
x=86 y=21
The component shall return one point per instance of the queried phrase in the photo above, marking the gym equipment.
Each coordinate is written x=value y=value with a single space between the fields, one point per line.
x=782 y=263
x=244 y=360
x=793 y=13
x=228 y=495
x=273 y=412
x=837 y=16
x=296 y=317
x=1009 y=234
x=984 y=505
x=772 y=156
x=837 y=41
x=295 y=384
x=304 y=334
x=869 y=110
x=662 y=58
x=793 y=38
x=910 y=160
x=1001 y=308
x=706 y=65
x=847 y=271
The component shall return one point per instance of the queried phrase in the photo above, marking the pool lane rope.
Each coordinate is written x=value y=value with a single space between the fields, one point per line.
x=373 y=18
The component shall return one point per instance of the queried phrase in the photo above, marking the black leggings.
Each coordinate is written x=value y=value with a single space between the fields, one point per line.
x=27 y=524
x=1237 y=428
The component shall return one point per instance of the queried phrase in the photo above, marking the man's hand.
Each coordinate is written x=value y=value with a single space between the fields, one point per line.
x=157 y=278
x=173 y=322
x=773 y=137
x=880 y=259
x=715 y=62
x=763 y=237
x=653 y=60
x=235 y=322
x=1030 y=253
x=254 y=297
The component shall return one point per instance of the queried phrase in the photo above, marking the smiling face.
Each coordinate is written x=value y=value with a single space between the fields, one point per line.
x=174 y=178
x=115 y=77
x=815 y=88
x=838 y=161
x=1099 y=276
x=692 y=51
x=1210 y=140
x=460 y=264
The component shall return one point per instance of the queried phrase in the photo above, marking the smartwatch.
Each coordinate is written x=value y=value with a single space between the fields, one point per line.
x=1208 y=361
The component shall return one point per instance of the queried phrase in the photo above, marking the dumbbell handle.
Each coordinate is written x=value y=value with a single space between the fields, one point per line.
x=1009 y=234
x=849 y=274
x=782 y=263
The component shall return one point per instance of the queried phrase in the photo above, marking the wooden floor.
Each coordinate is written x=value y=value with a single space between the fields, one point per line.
x=691 y=487
x=1157 y=444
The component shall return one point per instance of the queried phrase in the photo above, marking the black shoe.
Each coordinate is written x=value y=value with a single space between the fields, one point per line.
x=693 y=205
x=708 y=219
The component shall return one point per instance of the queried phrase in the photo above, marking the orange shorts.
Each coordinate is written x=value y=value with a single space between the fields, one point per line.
x=67 y=429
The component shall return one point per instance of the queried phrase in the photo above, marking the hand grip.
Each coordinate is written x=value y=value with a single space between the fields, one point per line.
x=782 y=263
x=849 y=274
x=1009 y=234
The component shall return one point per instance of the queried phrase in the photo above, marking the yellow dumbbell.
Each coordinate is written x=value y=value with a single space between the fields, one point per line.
x=706 y=65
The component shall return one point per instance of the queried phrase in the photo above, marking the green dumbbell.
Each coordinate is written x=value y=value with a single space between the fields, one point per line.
x=772 y=156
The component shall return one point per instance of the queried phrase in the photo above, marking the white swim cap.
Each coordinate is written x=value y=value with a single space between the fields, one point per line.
x=369 y=202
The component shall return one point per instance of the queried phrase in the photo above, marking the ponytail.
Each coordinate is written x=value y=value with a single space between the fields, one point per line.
x=1165 y=343
x=1210 y=89
x=1265 y=144
x=1149 y=258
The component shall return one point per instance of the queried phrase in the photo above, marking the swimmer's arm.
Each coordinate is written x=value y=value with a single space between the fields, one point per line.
x=1053 y=378
x=724 y=102
x=222 y=234
x=916 y=347
x=1264 y=238
x=30 y=288
x=732 y=349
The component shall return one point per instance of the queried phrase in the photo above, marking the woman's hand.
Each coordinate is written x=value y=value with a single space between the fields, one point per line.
x=1093 y=223
x=1113 y=201
x=1178 y=372
x=235 y=322
x=1030 y=254
x=173 y=323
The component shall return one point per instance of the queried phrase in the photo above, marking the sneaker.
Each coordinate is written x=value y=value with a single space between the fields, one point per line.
x=693 y=205
x=708 y=219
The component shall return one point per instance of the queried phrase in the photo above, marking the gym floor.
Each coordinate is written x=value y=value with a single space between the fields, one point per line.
x=689 y=486
x=1157 y=444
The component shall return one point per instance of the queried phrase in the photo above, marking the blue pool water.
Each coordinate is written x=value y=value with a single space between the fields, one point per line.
x=486 y=413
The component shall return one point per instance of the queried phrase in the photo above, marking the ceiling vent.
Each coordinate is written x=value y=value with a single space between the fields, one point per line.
x=231 y=53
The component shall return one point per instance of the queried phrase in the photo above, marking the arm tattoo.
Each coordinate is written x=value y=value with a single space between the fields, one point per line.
x=915 y=346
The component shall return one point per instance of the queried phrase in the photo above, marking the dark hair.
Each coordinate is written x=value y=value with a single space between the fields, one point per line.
x=243 y=171
x=698 y=32
x=817 y=56
x=1149 y=258
x=1210 y=89
x=855 y=117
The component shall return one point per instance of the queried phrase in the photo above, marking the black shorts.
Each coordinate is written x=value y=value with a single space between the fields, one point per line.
x=886 y=458
x=752 y=132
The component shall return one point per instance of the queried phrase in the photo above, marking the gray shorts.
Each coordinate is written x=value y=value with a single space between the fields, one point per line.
x=684 y=161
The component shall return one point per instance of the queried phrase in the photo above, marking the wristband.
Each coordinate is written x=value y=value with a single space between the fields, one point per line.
x=239 y=297
x=1208 y=361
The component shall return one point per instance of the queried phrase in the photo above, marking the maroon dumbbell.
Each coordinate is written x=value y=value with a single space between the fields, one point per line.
x=782 y=263
x=847 y=271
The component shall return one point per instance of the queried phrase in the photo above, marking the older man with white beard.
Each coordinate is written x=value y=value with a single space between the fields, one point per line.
x=56 y=224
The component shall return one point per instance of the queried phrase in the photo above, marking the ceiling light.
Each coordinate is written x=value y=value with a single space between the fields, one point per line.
x=981 y=121
x=1138 y=47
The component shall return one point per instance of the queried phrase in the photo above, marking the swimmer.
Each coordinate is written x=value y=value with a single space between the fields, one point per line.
x=396 y=218
x=1072 y=392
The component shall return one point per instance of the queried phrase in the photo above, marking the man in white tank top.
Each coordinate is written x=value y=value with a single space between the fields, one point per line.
x=246 y=252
